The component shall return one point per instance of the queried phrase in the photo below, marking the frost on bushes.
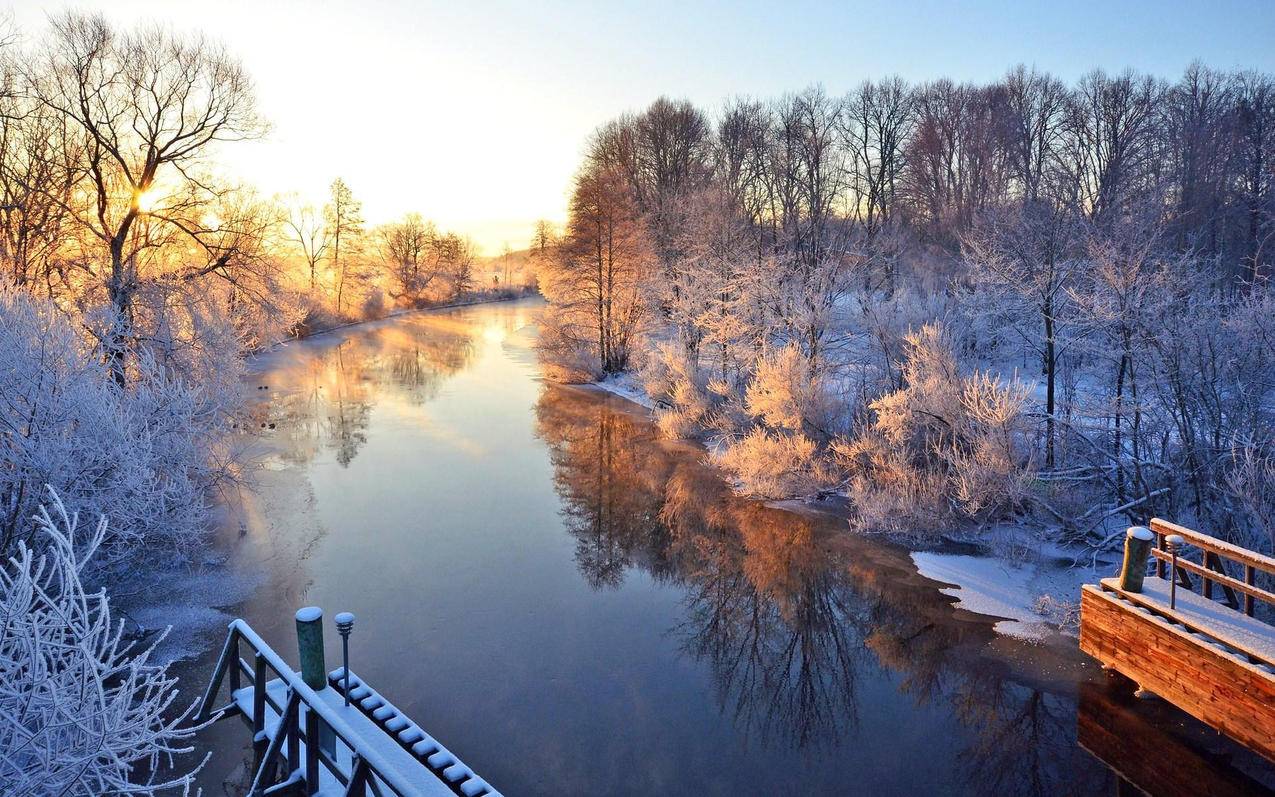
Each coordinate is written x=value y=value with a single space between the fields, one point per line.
x=148 y=451
x=671 y=378
x=374 y=305
x=792 y=411
x=942 y=449
x=82 y=712
x=564 y=359
x=783 y=393
x=776 y=465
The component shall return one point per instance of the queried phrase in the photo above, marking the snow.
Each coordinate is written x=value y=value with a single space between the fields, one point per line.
x=1007 y=590
x=309 y=614
x=626 y=386
x=1253 y=636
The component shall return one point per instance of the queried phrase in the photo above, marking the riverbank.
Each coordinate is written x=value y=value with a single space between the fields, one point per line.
x=1032 y=589
x=486 y=297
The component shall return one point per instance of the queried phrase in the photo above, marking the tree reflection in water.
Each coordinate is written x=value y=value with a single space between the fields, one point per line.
x=789 y=614
x=325 y=400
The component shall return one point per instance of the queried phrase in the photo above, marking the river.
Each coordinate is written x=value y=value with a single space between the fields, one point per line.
x=574 y=606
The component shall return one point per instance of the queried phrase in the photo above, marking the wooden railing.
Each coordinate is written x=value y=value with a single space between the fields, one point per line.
x=369 y=770
x=1211 y=568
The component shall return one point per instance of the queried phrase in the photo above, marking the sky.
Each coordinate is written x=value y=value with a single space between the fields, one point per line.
x=475 y=114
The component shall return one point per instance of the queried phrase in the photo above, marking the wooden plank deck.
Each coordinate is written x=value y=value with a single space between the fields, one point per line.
x=1215 y=667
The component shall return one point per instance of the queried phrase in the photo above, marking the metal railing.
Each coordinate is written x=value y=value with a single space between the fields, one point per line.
x=369 y=769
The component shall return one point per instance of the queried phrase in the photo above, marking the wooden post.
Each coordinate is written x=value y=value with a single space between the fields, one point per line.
x=310 y=646
x=1175 y=543
x=1137 y=547
x=1249 y=573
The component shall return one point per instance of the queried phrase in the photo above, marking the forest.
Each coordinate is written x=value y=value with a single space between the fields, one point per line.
x=962 y=306
x=135 y=276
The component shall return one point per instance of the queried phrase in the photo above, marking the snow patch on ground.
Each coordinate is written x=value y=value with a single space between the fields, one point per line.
x=189 y=604
x=626 y=386
x=1009 y=590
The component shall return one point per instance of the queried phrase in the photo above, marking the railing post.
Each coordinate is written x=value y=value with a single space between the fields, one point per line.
x=358 y=777
x=292 y=721
x=236 y=679
x=1175 y=543
x=312 y=722
x=258 y=706
x=265 y=771
x=229 y=654
x=1137 y=546
x=310 y=646
x=1249 y=577
x=1159 y=563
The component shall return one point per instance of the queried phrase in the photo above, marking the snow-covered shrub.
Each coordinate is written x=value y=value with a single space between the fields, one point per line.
x=673 y=380
x=776 y=465
x=784 y=394
x=942 y=449
x=148 y=451
x=1250 y=483
x=563 y=357
x=82 y=712
x=374 y=305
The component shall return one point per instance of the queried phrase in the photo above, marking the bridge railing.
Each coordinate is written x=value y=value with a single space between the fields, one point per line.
x=368 y=770
x=1211 y=569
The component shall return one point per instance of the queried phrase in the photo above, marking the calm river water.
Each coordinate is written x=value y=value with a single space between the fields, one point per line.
x=576 y=607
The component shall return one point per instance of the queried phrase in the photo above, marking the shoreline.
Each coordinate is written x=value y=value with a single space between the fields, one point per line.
x=1009 y=590
x=395 y=314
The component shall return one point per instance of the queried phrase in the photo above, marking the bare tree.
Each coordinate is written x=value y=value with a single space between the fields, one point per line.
x=406 y=247
x=1028 y=255
x=147 y=107
x=1035 y=113
x=600 y=281
x=308 y=230
x=343 y=217
x=1111 y=132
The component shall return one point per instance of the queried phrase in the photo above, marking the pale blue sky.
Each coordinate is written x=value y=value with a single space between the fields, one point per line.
x=474 y=113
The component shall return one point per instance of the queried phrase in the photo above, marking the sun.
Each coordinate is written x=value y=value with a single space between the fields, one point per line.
x=147 y=200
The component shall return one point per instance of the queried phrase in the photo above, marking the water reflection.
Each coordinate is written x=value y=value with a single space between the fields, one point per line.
x=790 y=616
x=578 y=607
x=330 y=392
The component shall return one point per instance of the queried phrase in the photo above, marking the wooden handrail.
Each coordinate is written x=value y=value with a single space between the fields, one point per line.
x=1220 y=547
x=1213 y=575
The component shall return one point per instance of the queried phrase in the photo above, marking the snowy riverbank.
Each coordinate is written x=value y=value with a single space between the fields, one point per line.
x=1034 y=591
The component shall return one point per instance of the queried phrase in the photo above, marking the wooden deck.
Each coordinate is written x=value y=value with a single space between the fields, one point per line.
x=1213 y=661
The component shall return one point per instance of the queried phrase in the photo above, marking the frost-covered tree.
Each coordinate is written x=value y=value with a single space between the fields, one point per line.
x=1026 y=257
x=82 y=710
x=148 y=451
x=946 y=448
x=600 y=284
x=147 y=107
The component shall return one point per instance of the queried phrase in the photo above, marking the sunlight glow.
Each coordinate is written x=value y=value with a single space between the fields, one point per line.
x=147 y=200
